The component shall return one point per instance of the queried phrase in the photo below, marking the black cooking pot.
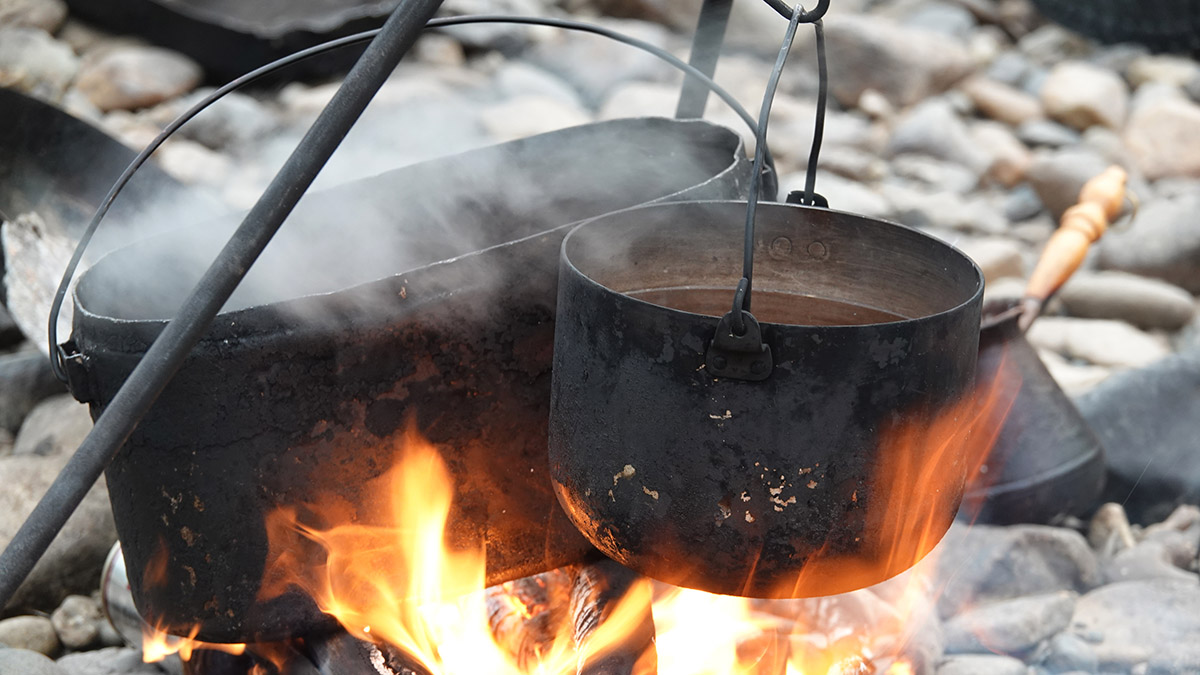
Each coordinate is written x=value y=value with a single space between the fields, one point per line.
x=734 y=485
x=345 y=332
x=1046 y=461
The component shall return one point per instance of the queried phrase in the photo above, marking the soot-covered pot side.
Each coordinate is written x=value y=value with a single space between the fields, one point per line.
x=755 y=488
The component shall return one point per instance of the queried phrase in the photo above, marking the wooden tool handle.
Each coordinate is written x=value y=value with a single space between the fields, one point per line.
x=1100 y=203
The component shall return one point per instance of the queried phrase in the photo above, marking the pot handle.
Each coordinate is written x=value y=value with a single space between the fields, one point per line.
x=1100 y=202
x=737 y=350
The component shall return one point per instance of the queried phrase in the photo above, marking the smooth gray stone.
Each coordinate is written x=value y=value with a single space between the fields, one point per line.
x=1057 y=177
x=1141 y=301
x=1013 y=627
x=73 y=561
x=110 y=661
x=988 y=563
x=34 y=633
x=25 y=380
x=981 y=664
x=1164 y=242
x=1067 y=653
x=1148 y=420
x=25 y=662
x=1143 y=620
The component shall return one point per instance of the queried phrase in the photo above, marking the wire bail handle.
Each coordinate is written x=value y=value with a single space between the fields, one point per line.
x=737 y=350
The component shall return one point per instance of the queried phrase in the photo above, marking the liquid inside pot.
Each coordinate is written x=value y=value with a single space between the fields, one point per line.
x=769 y=306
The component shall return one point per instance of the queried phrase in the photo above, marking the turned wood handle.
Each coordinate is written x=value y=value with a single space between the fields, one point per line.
x=1100 y=203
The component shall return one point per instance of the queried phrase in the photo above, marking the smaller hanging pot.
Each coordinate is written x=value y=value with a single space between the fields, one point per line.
x=752 y=464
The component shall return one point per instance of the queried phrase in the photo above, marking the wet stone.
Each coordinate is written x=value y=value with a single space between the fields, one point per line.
x=34 y=633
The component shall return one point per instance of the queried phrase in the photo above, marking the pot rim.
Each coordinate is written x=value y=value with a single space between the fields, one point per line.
x=973 y=298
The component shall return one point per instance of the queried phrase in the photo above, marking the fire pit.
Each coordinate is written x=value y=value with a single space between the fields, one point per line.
x=347 y=474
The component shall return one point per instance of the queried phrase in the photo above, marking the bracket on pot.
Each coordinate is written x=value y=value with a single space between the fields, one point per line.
x=742 y=357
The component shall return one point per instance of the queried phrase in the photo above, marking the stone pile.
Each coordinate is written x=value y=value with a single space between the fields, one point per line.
x=973 y=120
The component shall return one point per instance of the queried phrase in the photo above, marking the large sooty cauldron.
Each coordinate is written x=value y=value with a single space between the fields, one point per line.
x=730 y=485
x=286 y=400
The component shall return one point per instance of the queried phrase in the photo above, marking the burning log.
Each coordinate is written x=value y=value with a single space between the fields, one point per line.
x=613 y=625
x=343 y=654
x=527 y=615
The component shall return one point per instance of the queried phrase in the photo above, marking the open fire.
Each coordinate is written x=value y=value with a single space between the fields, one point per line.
x=390 y=580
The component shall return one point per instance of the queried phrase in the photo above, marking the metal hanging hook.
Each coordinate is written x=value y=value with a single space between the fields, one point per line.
x=811 y=16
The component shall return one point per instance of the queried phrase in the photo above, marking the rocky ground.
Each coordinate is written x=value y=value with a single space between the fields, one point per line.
x=975 y=121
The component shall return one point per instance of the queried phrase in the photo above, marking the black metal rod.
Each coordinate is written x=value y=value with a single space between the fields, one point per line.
x=760 y=141
x=810 y=178
x=706 y=49
x=167 y=353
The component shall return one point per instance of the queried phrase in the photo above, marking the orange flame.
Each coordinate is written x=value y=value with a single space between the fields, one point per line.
x=157 y=645
x=399 y=583
x=389 y=577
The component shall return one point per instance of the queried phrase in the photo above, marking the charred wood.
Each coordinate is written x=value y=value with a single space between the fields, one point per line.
x=601 y=590
x=527 y=615
x=343 y=654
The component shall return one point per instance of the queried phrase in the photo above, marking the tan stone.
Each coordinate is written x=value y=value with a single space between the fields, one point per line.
x=1164 y=138
x=1080 y=94
x=1001 y=102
